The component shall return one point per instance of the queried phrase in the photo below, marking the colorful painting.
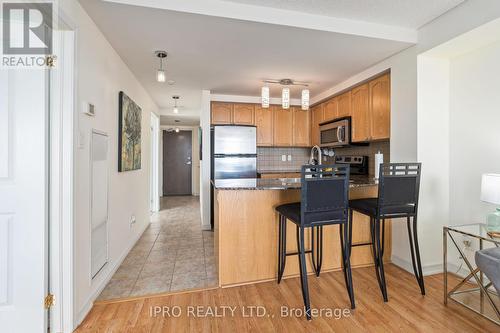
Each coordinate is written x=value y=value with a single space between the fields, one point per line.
x=130 y=115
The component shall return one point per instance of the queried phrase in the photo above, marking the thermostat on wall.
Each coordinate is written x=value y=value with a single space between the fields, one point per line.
x=89 y=109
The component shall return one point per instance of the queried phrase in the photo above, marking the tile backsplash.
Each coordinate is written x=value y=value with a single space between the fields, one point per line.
x=383 y=146
x=270 y=159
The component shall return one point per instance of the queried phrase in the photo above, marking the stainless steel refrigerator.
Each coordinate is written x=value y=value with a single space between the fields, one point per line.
x=234 y=153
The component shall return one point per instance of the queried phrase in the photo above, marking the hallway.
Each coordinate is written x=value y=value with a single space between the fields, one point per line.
x=173 y=254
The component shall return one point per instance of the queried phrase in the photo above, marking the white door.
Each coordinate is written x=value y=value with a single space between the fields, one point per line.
x=23 y=200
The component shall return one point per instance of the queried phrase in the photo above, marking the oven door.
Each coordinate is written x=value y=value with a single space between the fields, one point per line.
x=335 y=134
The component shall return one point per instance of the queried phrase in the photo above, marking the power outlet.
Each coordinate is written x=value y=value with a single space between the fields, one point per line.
x=467 y=242
x=283 y=158
x=132 y=221
x=289 y=157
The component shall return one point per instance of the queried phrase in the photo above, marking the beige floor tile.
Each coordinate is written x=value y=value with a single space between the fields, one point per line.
x=189 y=266
x=188 y=281
x=161 y=268
x=172 y=254
x=151 y=285
x=190 y=253
x=128 y=272
x=117 y=289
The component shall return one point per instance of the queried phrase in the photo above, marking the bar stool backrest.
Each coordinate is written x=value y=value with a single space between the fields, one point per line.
x=398 y=190
x=325 y=194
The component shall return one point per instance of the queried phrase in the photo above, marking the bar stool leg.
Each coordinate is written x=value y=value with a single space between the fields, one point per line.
x=281 y=247
x=303 y=271
x=415 y=253
x=383 y=285
x=374 y=250
x=317 y=249
x=346 y=262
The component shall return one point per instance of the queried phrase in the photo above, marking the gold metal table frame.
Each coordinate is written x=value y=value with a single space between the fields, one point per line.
x=484 y=289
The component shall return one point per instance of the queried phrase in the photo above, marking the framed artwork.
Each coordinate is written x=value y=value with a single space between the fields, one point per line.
x=129 y=134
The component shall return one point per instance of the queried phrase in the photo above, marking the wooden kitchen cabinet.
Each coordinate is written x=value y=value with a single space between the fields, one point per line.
x=380 y=108
x=264 y=122
x=222 y=113
x=243 y=114
x=301 y=127
x=283 y=127
x=344 y=105
x=330 y=109
x=360 y=107
x=316 y=119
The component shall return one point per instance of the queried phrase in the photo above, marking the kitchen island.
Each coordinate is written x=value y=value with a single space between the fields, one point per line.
x=246 y=230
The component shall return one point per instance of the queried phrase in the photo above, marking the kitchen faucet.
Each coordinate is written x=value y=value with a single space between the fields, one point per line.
x=320 y=156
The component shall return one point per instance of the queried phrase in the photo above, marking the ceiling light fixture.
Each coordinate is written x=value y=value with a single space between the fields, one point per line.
x=265 y=97
x=160 y=74
x=176 y=108
x=305 y=99
x=285 y=93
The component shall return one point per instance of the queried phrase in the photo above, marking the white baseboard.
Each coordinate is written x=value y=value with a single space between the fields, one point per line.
x=91 y=299
x=407 y=266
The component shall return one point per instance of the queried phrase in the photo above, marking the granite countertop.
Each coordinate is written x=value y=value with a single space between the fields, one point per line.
x=279 y=171
x=280 y=183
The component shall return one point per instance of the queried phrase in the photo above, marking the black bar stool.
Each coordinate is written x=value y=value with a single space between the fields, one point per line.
x=398 y=191
x=324 y=201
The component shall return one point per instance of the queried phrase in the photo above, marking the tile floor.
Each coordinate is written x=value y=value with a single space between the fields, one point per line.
x=173 y=254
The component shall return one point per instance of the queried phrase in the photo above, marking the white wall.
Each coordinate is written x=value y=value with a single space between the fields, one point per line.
x=474 y=130
x=205 y=162
x=101 y=74
x=433 y=152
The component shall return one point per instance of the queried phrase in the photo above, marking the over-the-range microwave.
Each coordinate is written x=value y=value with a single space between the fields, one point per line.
x=336 y=133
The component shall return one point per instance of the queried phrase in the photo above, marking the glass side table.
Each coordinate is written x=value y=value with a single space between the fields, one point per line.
x=474 y=296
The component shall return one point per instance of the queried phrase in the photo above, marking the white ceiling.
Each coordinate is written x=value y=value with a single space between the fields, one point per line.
x=229 y=56
x=403 y=13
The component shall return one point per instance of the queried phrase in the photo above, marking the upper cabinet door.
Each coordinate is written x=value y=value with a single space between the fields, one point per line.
x=380 y=106
x=344 y=105
x=264 y=123
x=301 y=127
x=360 y=113
x=316 y=119
x=283 y=130
x=222 y=113
x=243 y=114
x=330 y=110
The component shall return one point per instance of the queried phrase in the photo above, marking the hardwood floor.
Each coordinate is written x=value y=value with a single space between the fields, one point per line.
x=406 y=311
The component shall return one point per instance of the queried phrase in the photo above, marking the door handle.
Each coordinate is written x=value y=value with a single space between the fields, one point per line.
x=188 y=163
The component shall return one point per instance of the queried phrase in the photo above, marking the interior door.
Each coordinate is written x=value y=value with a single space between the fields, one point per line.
x=177 y=163
x=23 y=200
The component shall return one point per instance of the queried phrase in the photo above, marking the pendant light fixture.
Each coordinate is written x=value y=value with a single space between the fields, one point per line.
x=160 y=74
x=285 y=93
x=177 y=130
x=265 y=96
x=305 y=99
x=285 y=98
x=176 y=108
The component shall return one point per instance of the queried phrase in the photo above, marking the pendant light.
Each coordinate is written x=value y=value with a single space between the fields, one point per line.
x=160 y=74
x=177 y=130
x=305 y=99
x=265 y=96
x=176 y=108
x=285 y=98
